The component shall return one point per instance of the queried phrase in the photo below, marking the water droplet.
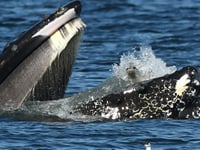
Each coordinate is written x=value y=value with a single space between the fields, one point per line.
x=14 y=47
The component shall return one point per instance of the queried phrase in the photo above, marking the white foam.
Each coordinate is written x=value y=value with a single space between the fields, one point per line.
x=112 y=113
x=148 y=65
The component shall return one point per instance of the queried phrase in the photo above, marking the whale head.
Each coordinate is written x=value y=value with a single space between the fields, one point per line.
x=37 y=65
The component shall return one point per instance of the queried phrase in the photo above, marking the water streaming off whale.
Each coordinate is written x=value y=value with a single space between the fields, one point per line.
x=62 y=108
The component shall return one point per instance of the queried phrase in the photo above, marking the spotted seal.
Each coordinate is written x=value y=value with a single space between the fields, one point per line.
x=171 y=96
x=133 y=74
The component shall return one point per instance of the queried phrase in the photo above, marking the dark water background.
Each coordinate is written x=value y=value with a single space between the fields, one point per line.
x=114 y=27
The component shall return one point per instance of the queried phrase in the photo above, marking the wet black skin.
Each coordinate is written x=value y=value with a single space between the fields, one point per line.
x=152 y=99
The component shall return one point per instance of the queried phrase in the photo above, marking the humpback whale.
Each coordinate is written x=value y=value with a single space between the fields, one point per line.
x=171 y=96
x=37 y=66
x=35 y=69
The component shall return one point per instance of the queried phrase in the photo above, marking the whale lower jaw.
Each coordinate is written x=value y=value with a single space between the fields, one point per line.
x=43 y=74
x=172 y=96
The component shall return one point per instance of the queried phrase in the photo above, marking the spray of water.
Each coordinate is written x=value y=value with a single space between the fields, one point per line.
x=147 y=64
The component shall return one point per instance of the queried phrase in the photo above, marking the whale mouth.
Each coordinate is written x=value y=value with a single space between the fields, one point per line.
x=37 y=65
x=16 y=51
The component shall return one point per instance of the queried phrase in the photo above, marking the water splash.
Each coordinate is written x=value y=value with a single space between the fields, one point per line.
x=147 y=64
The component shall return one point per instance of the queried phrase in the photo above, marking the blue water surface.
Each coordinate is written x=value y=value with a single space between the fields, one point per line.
x=162 y=134
x=114 y=27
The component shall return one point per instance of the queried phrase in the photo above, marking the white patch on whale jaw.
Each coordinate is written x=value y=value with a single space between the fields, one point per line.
x=129 y=91
x=181 y=84
x=111 y=113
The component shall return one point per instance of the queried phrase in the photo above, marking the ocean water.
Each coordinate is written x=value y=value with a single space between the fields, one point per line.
x=114 y=29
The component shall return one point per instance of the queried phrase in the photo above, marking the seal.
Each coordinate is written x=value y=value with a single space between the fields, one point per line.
x=171 y=96
x=133 y=74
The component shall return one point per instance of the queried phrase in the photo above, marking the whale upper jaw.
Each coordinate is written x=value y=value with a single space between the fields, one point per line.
x=37 y=65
